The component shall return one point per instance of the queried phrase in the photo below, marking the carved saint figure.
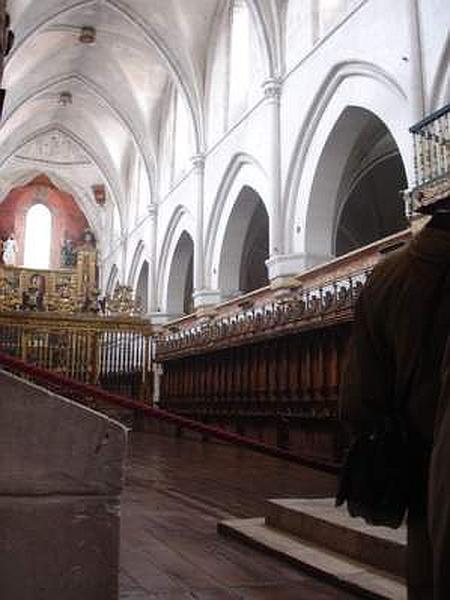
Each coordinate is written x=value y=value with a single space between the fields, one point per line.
x=88 y=242
x=10 y=250
x=68 y=254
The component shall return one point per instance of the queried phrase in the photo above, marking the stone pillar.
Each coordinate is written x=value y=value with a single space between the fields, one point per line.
x=61 y=474
x=313 y=11
x=198 y=162
x=123 y=249
x=202 y=296
x=272 y=92
x=152 y=283
x=416 y=61
x=287 y=265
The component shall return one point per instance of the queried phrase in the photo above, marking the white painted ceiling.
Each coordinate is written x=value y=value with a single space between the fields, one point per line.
x=118 y=84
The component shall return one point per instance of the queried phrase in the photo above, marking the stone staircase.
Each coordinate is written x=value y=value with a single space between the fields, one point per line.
x=324 y=541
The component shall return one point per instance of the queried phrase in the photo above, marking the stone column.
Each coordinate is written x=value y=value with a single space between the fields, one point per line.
x=272 y=92
x=152 y=275
x=198 y=162
x=284 y=266
x=279 y=265
x=202 y=295
x=416 y=61
x=123 y=249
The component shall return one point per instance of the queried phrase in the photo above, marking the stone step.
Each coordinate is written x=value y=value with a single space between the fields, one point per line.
x=318 y=521
x=346 y=573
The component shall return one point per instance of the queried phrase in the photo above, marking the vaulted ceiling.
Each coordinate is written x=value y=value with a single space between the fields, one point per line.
x=76 y=109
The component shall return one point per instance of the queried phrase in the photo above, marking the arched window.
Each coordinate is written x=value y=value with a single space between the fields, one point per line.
x=240 y=47
x=38 y=237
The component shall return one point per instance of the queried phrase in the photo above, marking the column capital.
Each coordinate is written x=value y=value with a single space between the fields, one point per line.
x=272 y=88
x=152 y=209
x=198 y=161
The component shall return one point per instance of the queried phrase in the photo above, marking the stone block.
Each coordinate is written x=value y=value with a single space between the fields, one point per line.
x=61 y=474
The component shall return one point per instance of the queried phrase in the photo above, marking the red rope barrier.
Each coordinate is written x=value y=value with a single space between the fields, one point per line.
x=74 y=389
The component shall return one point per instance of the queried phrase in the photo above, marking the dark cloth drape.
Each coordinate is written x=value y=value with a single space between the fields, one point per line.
x=439 y=488
x=394 y=357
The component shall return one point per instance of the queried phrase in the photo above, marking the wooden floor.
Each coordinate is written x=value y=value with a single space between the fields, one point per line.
x=177 y=490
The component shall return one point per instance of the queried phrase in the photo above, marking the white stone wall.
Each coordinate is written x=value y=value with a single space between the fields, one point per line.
x=370 y=60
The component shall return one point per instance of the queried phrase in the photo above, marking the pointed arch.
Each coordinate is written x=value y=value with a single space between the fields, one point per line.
x=142 y=286
x=181 y=224
x=138 y=258
x=13 y=149
x=38 y=236
x=21 y=177
x=241 y=265
x=352 y=83
x=242 y=171
x=98 y=93
x=113 y=280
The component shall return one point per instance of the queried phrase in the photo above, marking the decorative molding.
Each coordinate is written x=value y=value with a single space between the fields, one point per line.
x=65 y=98
x=273 y=88
x=87 y=35
x=54 y=147
x=99 y=192
x=152 y=210
x=198 y=162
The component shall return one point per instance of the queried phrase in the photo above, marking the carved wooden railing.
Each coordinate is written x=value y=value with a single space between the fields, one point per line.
x=268 y=365
x=112 y=352
x=310 y=300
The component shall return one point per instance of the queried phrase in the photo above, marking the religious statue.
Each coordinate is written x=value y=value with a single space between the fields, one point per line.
x=33 y=296
x=10 y=250
x=88 y=242
x=68 y=254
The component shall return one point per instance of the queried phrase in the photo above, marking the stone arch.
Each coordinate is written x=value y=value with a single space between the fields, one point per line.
x=138 y=258
x=353 y=84
x=39 y=217
x=112 y=281
x=13 y=178
x=10 y=147
x=348 y=206
x=245 y=247
x=141 y=287
x=99 y=95
x=180 y=277
x=243 y=171
x=176 y=255
x=265 y=25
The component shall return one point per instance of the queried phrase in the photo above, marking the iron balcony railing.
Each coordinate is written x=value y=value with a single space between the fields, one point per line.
x=431 y=159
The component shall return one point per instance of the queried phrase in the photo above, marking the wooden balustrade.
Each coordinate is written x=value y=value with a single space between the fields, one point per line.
x=268 y=365
x=112 y=352
x=321 y=296
x=288 y=386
